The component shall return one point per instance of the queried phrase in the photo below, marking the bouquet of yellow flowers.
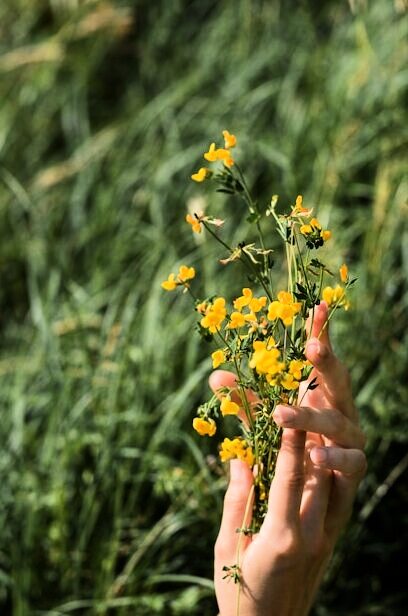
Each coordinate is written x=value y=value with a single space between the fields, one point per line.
x=260 y=334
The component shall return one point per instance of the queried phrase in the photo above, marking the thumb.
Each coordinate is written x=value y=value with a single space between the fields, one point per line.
x=237 y=508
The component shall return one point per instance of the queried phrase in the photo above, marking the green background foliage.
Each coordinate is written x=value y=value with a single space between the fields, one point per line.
x=109 y=504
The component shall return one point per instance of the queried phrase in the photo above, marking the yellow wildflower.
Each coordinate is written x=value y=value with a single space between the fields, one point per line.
x=299 y=209
x=284 y=308
x=288 y=382
x=194 y=222
x=250 y=317
x=295 y=368
x=185 y=273
x=228 y=407
x=215 y=314
x=230 y=140
x=265 y=358
x=306 y=229
x=236 y=448
x=169 y=284
x=204 y=426
x=314 y=233
x=237 y=320
x=343 y=273
x=218 y=358
x=201 y=174
x=211 y=155
x=243 y=300
x=335 y=296
x=225 y=156
x=257 y=303
x=215 y=154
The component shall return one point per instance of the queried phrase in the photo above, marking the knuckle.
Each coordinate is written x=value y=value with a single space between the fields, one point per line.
x=363 y=465
x=220 y=549
x=233 y=498
x=295 y=480
x=339 y=421
x=288 y=544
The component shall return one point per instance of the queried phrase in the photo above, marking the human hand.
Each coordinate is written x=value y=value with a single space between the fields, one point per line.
x=319 y=466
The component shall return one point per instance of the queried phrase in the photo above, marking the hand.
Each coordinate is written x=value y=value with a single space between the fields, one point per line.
x=319 y=466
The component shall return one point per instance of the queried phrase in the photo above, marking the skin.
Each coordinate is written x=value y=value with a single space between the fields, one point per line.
x=320 y=465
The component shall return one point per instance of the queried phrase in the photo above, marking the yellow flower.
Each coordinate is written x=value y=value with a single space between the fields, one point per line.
x=298 y=209
x=284 y=308
x=306 y=229
x=201 y=174
x=215 y=314
x=265 y=358
x=343 y=273
x=230 y=140
x=315 y=223
x=335 y=296
x=236 y=448
x=211 y=155
x=225 y=156
x=314 y=233
x=243 y=300
x=228 y=407
x=288 y=382
x=215 y=154
x=227 y=160
x=185 y=273
x=295 y=368
x=247 y=456
x=256 y=304
x=169 y=284
x=237 y=320
x=204 y=426
x=218 y=358
x=194 y=222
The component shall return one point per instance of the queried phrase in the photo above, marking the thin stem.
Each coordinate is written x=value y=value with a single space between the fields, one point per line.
x=216 y=237
x=240 y=539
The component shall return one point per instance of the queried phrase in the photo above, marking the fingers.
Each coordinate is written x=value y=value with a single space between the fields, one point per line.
x=332 y=376
x=325 y=421
x=287 y=486
x=317 y=325
x=351 y=462
x=237 y=508
x=223 y=378
x=342 y=496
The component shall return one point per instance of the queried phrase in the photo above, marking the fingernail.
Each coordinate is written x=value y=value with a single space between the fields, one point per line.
x=319 y=455
x=284 y=414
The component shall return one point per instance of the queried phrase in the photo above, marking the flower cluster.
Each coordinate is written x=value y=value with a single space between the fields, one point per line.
x=236 y=448
x=215 y=154
x=314 y=234
x=184 y=275
x=260 y=332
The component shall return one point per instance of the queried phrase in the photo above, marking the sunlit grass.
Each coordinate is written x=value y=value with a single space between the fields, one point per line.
x=107 y=503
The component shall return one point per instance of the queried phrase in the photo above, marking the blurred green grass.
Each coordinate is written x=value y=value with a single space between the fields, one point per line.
x=108 y=503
